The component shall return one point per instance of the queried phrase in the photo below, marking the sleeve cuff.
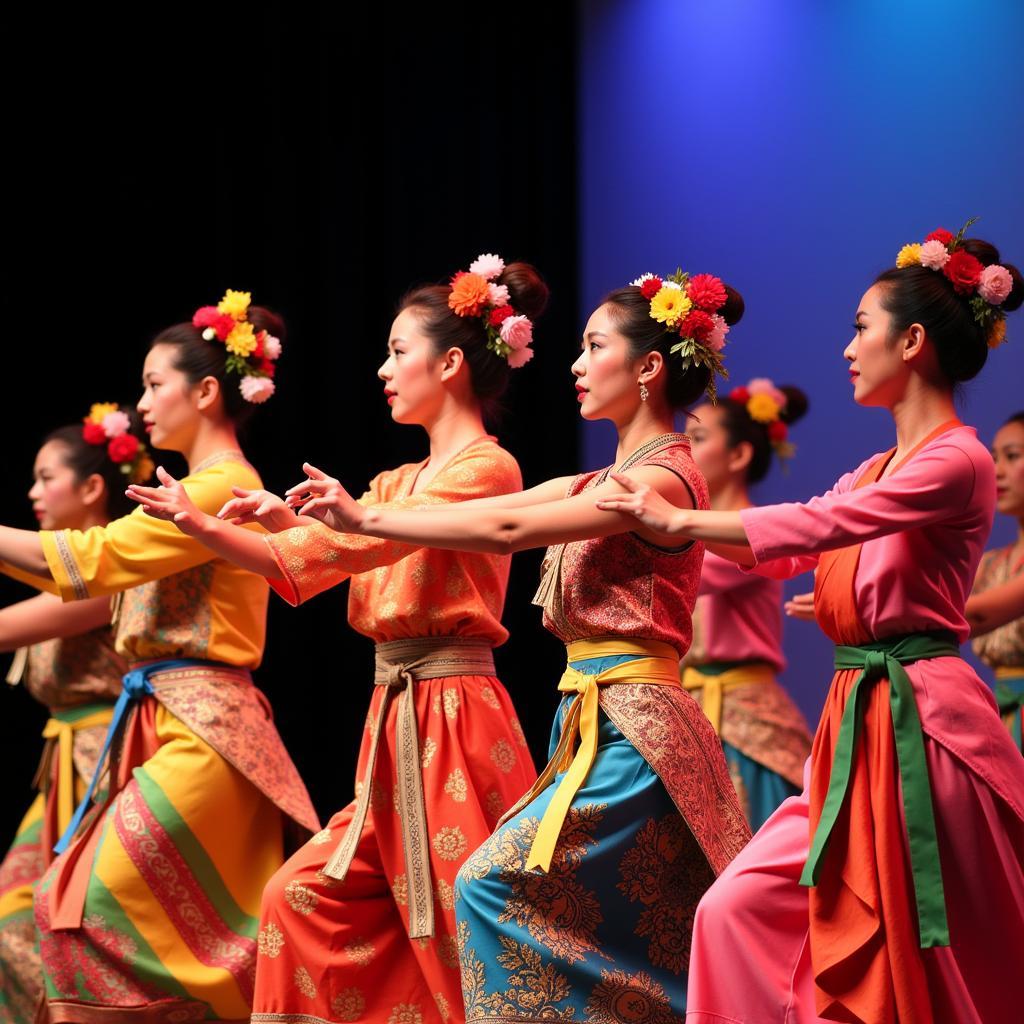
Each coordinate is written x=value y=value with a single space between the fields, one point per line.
x=70 y=584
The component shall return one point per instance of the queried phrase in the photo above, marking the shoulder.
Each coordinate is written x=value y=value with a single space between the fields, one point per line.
x=212 y=481
x=487 y=457
x=959 y=454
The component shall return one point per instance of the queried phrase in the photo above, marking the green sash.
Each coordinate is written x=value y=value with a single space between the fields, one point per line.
x=1011 y=701
x=884 y=659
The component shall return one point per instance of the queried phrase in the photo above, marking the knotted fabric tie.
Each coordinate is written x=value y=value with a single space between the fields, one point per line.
x=399 y=664
x=714 y=683
x=654 y=663
x=61 y=731
x=134 y=686
x=884 y=659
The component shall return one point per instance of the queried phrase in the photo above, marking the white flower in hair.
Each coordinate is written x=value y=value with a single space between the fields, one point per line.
x=640 y=280
x=672 y=284
x=488 y=265
x=497 y=294
x=271 y=346
x=256 y=389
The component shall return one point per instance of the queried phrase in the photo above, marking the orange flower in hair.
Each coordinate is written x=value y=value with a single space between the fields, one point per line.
x=469 y=294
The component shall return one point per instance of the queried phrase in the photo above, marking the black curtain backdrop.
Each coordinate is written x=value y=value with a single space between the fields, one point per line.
x=324 y=158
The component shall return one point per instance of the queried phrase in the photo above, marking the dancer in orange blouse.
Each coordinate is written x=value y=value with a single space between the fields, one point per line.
x=360 y=923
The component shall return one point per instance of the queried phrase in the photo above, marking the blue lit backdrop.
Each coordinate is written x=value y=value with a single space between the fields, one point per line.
x=792 y=148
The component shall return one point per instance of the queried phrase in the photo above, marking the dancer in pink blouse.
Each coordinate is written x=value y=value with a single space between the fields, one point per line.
x=914 y=802
x=731 y=667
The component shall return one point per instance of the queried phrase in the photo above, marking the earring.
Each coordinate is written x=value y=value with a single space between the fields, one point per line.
x=643 y=391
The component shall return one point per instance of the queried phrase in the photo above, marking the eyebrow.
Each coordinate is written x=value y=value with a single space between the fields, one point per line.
x=860 y=312
x=596 y=334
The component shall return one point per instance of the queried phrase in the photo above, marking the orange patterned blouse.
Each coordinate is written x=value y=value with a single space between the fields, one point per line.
x=400 y=590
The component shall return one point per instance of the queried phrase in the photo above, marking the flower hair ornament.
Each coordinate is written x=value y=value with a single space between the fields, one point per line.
x=986 y=287
x=688 y=306
x=475 y=292
x=108 y=425
x=251 y=353
x=765 y=404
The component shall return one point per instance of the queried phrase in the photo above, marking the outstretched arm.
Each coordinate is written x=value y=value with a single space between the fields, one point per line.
x=488 y=530
x=995 y=607
x=236 y=544
x=46 y=617
x=23 y=550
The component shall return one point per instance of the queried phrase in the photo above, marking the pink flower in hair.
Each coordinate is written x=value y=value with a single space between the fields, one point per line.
x=934 y=255
x=116 y=423
x=995 y=284
x=256 y=389
x=271 y=347
x=716 y=340
x=497 y=294
x=517 y=332
x=764 y=386
x=488 y=265
x=519 y=357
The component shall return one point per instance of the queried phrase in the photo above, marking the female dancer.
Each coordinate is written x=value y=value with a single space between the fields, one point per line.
x=996 y=607
x=360 y=923
x=737 y=626
x=151 y=911
x=914 y=789
x=580 y=905
x=65 y=657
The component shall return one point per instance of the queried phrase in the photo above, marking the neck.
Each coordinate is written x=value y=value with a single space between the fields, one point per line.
x=731 y=496
x=455 y=426
x=210 y=439
x=648 y=422
x=921 y=409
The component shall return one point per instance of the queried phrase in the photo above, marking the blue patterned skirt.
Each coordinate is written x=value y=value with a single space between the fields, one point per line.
x=604 y=936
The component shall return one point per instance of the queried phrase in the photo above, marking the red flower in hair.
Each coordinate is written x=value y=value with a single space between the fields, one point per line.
x=205 y=316
x=123 y=448
x=257 y=352
x=707 y=292
x=741 y=395
x=964 y=270
x=267 y=366
x=940 y=235
x=697 y=325
x=93 y=433
x=650 y=287
x=777 y=432
x=499 y=315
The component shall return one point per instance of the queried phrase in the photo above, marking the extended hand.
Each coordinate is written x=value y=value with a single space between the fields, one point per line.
x=170 y=501
x=258 y=506
x=800 y=606
x=323 y=498
x=641 y=501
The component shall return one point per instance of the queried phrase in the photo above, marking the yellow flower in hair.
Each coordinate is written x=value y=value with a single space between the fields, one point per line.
x=763 y=408
x=997 y=333
x=670 y=305
x=241 y=340
x=235 y=304
x=101 y=409
x=909 y=255
x=144 y=470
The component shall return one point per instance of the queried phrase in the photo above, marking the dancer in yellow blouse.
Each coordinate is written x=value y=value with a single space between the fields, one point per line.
x=151 y=911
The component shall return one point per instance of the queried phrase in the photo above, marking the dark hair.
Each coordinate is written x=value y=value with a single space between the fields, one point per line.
x=84 y=459
x=632 y=317
x=740 y=426
x=198 y=358
x=488 y=372
x=1017 y=417
x=918 y=295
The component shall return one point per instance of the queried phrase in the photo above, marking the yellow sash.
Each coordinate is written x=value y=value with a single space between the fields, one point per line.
x=715 y=685
x=63 y=734
x=655 y=664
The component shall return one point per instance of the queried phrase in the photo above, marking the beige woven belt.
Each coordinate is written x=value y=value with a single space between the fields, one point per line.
x=399 y=664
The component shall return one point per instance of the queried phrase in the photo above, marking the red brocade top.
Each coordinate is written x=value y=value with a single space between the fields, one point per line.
x=623 y=585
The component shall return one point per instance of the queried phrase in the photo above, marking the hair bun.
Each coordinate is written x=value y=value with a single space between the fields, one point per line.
x=796 y=404
x=732 y=311
x=526 y=288
x=987 y=253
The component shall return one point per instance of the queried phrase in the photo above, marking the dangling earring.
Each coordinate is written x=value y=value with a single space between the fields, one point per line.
x=643 y=391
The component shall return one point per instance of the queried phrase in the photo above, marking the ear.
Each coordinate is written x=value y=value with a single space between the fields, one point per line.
x=740 y=456
x=451 y=363
x=650 y=366
x=207 y=392
x=913 y=342
x=92 y=489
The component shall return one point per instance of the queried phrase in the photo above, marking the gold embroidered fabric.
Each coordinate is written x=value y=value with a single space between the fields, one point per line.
x=399 y=663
